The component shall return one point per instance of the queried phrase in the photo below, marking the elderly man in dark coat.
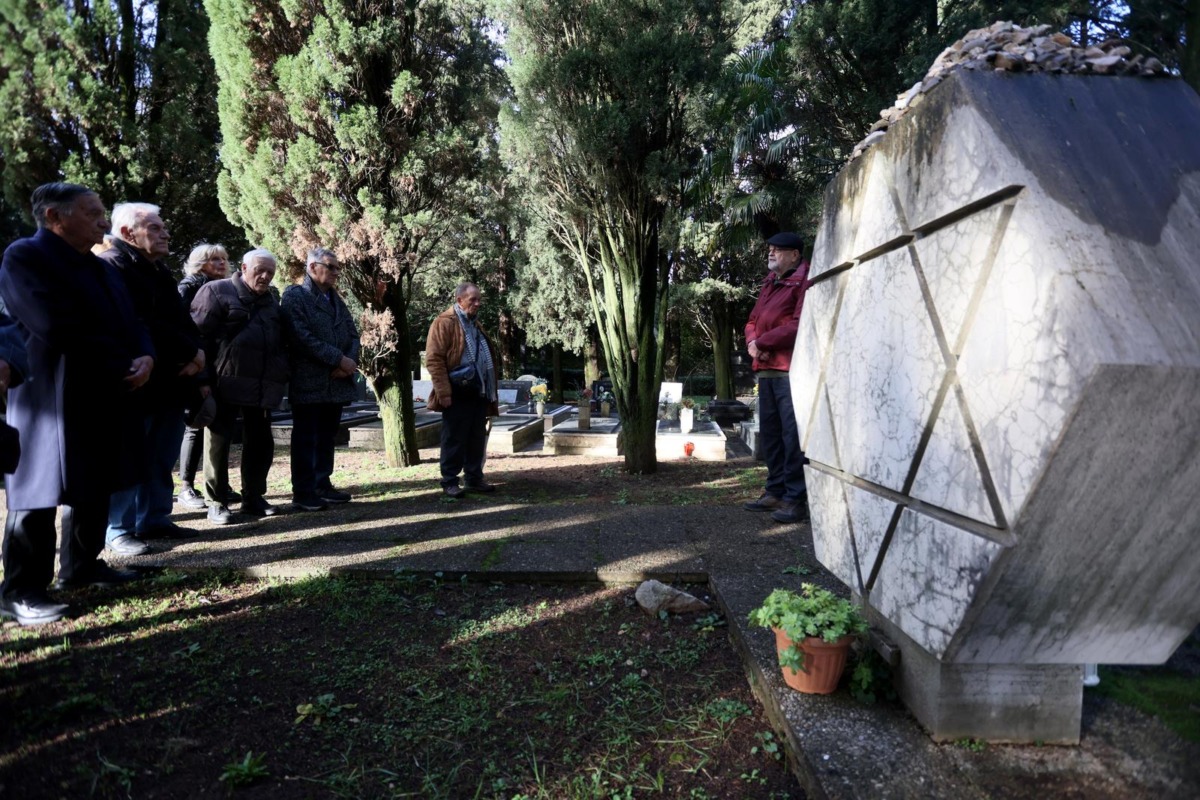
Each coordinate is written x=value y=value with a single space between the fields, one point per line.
x=241 y=322
x=87 y=354
x=323 y=347
x=139 y=243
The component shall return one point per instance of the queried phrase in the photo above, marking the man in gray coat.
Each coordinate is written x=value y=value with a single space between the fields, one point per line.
x=323 y=348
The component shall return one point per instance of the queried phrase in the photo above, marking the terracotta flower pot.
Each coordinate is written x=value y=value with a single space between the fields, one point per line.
x=824 y=663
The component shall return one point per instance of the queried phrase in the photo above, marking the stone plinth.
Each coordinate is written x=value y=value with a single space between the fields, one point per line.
x=707 y=440
x=352 y=417
x=600 y=440
x=512 y=433
x=997 y=380
x=370 y=435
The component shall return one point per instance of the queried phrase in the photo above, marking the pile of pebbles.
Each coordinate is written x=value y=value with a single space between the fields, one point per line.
x=1005 y=47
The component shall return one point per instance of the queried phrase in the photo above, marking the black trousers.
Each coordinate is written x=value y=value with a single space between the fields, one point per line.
x=314 y=431
x=29 y=542
x=464 y=437
x=190 y=453
x=258 y=451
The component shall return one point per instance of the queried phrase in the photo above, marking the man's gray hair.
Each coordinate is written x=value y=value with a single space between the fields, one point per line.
x=260 y=253
x=319 y=254
x=129 y=215
x=461 y=289
x=59 y=196
x=200 y=254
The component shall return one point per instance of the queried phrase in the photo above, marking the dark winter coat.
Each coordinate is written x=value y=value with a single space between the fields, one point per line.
x=320 y=332
x=190 y=285
x=776 y=318
x=245 y=332
x=74 y=410
x=156 y=302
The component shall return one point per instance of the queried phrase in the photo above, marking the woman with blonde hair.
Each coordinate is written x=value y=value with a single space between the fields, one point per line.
x=206 y=262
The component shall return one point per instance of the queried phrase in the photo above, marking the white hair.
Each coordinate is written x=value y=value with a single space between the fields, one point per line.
x=260 y=253
x=130 y=215
x=318 y=254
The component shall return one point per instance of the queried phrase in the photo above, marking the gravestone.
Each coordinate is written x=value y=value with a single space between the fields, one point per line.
x=670 y=392
x=514 y=392
x=997 y=381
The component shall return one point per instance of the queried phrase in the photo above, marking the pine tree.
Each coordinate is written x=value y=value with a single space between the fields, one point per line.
x=353 y=124
x=118 y=96
x=604 y=97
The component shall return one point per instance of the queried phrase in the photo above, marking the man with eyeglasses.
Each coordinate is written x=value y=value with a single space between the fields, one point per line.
x=140 y=242
x=323 y=348
x=770 y=338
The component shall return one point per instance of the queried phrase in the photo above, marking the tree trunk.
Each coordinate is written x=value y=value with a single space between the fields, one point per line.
x=395 y=393
x=556 y=373
x=591 y=356
x=722 y=346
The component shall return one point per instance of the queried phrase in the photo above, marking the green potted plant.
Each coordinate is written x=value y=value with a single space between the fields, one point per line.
x=814 y=629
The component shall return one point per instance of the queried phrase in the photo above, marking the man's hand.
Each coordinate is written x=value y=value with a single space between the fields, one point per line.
x=205 y=391
x=5 y=374
x=194 y=366
x=139 y=372
x=753 y=349
x=345 y=368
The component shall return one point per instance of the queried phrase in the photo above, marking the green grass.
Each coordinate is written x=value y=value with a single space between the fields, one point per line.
x=1171 y=696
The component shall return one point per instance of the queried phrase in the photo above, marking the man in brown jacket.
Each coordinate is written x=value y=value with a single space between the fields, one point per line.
x=462 y=366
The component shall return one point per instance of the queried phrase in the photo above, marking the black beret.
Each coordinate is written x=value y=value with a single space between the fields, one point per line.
x=786 y=240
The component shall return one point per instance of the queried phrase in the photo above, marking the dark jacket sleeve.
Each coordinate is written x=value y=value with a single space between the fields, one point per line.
x=29 y=285
x=12 y=349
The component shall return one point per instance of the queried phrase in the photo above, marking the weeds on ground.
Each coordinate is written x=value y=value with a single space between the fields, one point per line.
x=403 y=686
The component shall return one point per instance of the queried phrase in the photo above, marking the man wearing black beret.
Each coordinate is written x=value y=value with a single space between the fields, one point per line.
x=770 y=337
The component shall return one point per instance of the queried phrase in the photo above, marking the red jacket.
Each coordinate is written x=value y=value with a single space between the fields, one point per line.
x=776 y=317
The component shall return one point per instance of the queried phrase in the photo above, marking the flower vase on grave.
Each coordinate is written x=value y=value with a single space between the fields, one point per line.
x=605 y=408
x=585 y=416
x=541 y=408
x=685 y=419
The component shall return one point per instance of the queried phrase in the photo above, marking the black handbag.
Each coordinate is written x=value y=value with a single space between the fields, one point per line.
x=464 y=376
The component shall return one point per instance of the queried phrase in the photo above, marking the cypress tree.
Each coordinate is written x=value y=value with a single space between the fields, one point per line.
x=353 y=124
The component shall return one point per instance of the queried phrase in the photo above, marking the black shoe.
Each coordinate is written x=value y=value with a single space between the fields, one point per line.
x=232 y=497
x=190 y=498
x=35 y=608
x=127 y=544
x=99 y=574
x=791 y=512
x=259 y=508
x=480 y=488
x=311 y=503
x=453 y=491
x=167 y=530
x=219 y=514
x=334 y=496
x=767 y=502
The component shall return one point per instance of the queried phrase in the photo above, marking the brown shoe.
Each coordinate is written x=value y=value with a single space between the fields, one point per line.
x=791 y=512
x=767 y=502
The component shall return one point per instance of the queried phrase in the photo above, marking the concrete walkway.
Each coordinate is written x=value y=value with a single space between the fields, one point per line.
x=839 y=747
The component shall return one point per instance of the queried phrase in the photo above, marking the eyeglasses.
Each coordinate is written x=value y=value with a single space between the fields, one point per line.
x=327 y=265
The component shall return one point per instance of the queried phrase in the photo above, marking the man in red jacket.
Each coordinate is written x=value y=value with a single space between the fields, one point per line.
x=770 y=337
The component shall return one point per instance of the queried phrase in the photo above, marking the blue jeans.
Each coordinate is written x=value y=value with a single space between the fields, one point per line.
x=780 y=437
x=148 y=504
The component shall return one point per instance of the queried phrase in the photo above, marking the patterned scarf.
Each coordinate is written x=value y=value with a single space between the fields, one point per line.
x=478 y=353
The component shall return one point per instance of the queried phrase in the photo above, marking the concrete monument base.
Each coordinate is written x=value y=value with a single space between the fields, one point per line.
x=1001 y=703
